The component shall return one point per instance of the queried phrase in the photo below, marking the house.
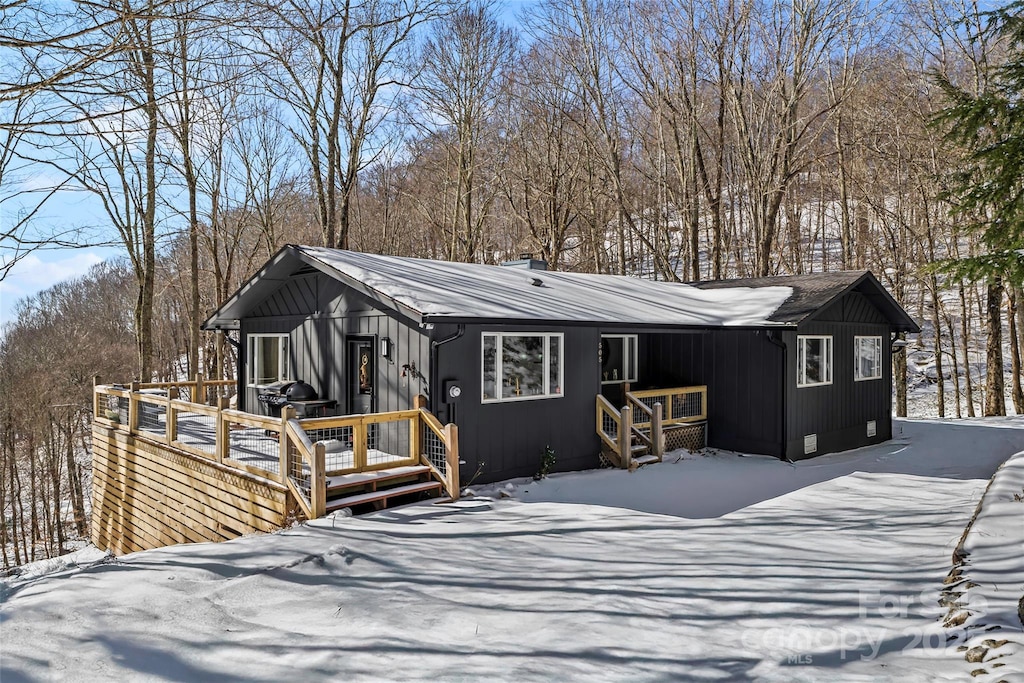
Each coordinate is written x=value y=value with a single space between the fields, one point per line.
x=518 y=357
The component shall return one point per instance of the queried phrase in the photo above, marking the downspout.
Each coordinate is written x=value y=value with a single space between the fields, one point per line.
x=434 y=345
x=774 y=338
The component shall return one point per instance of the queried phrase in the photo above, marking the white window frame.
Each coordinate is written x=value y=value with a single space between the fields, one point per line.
x=801 y=359
x=253 y=361
x=549 y=391
x=626 y=361
x=877 y=339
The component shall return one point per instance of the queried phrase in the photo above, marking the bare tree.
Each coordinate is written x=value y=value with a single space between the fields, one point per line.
x=464 y=64
x=340 y=67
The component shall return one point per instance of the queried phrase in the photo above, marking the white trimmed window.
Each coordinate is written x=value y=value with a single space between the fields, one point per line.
x=520 y=367
x=867 y=358
x=813 y=360
x=268 y=359
x=618 y=358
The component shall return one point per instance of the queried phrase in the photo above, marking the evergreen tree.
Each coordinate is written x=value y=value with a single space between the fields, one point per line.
x=987 y=191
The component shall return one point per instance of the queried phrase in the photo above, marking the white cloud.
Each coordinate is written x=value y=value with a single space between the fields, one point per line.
x=33 y=274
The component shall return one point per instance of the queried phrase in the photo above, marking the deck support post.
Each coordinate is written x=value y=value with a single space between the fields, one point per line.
x=171 y=416
x=287 y=413
x=626 y=436
x=657 y=433
x=451 y=456
x=318 y=481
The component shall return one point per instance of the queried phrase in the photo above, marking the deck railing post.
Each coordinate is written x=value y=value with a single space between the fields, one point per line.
x=170 y=415
x=419 y=402
x=626 y=436
x=318 y=481
x=415 y=441
x=657 y=434
x=95 y=397
x=200 y=395
x=451 y=456
x=133 y=407
x=359 y=432
x=287 y=413
x=222 y=443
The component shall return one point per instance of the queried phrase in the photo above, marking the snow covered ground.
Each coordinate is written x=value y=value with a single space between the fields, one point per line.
x=989 y=586
x=713 y=567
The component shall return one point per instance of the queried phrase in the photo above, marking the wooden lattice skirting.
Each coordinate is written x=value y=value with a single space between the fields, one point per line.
x=692 y=437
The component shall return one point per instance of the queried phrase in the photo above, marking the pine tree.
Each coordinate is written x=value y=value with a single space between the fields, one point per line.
x=987 y=191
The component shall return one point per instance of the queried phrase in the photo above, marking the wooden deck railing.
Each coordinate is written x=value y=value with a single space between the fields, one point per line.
x=297 y=453
x=679 y=405
x=644 y=418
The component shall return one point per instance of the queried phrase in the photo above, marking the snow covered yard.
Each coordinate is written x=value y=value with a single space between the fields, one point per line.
x=715 y=567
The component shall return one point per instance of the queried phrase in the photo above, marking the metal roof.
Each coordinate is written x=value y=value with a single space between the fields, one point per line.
x=426 y=291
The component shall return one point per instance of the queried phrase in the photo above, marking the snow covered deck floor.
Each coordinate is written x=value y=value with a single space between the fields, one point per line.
x=256 y=448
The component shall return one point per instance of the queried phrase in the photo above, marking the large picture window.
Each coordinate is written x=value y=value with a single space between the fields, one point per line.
x=618 y=358
x=867 y=358
x=813 y=360
x=519 y=367
x=268 y=359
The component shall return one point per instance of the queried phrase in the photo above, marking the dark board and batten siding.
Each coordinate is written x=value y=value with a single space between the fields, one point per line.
x=507 y=439
x=320 y=315
x=838 y=413
x=743 y=373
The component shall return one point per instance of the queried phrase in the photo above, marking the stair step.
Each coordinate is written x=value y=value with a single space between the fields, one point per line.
x=646 y=459
x=342 y=481
x=373 y=496
x=639 y=448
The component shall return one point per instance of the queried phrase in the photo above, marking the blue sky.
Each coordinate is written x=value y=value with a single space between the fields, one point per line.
x=44 y=268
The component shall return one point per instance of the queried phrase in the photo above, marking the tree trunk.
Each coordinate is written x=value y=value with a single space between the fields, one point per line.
x=899 y=373
x=995 y=401
x=965 y=345
x=940 y=396
x=1016 y=391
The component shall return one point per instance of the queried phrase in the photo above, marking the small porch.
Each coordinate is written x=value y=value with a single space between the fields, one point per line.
x=650 y=423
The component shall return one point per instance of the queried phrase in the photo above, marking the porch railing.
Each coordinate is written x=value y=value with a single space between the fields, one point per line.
x=299 y=454
x=679 y=405
x=644 y=418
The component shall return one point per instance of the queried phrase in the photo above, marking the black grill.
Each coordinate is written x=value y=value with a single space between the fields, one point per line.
x=299 y=395
x=274 y=397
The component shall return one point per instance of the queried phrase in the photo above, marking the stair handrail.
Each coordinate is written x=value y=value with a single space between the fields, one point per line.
x=606 y=409
x=655 y=438
x=314 y=456
x=448 y=435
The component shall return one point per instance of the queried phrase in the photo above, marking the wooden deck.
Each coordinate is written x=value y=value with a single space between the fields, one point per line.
x=172 y=471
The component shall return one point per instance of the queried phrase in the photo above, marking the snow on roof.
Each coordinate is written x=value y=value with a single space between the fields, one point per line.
x=440 y=290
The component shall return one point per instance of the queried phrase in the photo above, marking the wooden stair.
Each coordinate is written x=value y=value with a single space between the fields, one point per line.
x=368 y=491
x=640 y=454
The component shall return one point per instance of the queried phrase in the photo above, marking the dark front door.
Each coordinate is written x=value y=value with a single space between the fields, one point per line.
x=361 y=377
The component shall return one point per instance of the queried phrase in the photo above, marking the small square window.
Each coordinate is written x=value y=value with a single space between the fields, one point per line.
x=814 y=360
x=268 y=359
x=867 y=358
